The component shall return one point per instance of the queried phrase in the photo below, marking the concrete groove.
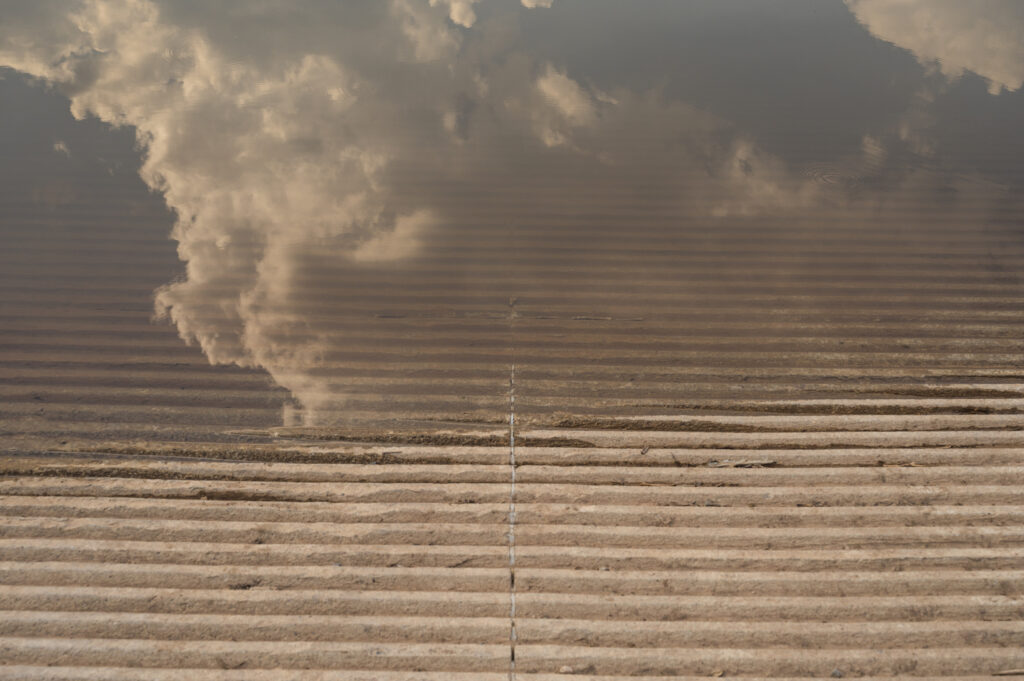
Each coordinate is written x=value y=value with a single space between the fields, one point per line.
x=588 y=568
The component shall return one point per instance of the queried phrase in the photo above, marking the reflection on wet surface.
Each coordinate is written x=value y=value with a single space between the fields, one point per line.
x=385 y=206
x=484 y=340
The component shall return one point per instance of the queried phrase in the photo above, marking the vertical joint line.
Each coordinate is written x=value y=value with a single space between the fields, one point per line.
x=512 y=520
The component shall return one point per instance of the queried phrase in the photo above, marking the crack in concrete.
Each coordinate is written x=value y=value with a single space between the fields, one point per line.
x=512 y=521
x=512 y=494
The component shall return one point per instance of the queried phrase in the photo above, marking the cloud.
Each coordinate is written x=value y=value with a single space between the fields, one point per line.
x=566 y=97
x=563 y=105
x=758 y=184
x=985 y=37
x=537 y=3
x=431 y=40
x=305 y=167
x=259 y=161
x=460 y=11
x=401 y=242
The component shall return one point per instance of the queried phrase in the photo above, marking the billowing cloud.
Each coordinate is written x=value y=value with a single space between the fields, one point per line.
x=259 y=162
x=430 y=39
x=305 y=165
x=401 y=242
x=985 y=37
x=537 y=3
x=563 y=105
x=460 y=11
x=567 y=97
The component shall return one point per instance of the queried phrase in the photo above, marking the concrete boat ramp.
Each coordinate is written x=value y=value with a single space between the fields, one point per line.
x=755 y=545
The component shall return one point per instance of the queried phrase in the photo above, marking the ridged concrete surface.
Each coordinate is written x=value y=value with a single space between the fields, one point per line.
x=650 y=554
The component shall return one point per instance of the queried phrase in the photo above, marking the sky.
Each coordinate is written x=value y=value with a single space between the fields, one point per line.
x=305 y=146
